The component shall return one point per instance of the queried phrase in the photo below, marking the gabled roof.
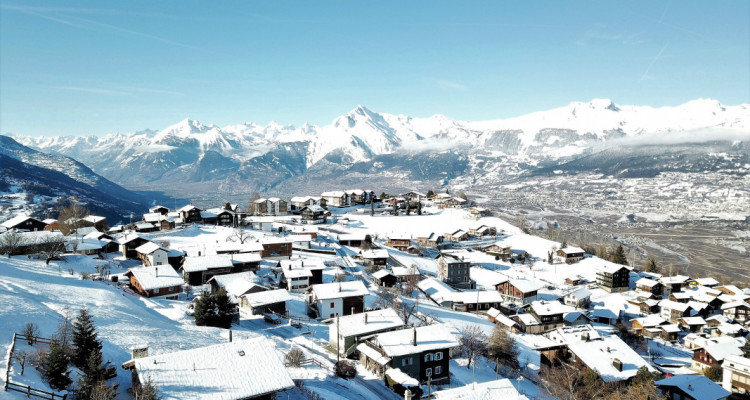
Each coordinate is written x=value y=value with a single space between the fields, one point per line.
x=17 y=220
x=431 y=337
x=500 y=317
x=600 y=355
x=541 y=307
x=381 y=273
x=580 y=293
x=266 y=297
x=195 y=264
x=156 y=277
x=647 y=282
x=697 y=386
x=188 y=207
x=572 y=250
x=673 y=305
x=233 y=370
x=720 y=350
x=524 y=285
x=149 y=247
x=94 y=219
x=377 y=253
x=368 y=322
x=339 y=290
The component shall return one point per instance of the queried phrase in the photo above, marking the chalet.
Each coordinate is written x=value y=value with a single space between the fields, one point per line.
x=218 y=216
x=576 y=318
x=480 y=212
x=297 y=203
x=198 y=270
x=129 y=242
x=581 y=347
x=23 y=223
x=648 y=326
x=673 y=311
x=605 y=315
x=406 y=274
x=51 y=225
x=384 y=278
x=238 y=248
x=518 y=291
x=399 y=241
x=190 y=214
x=455 y=202
x=159 y=280
x=263 y=302
x=499 y=319
x=713 y=354
x=613 y=278
x=236 y=284
x=175 y=258
x=736 y=310
x=483 y=230
x=457 y=236
x=313 y=215
x=471 y=301
x=159 y=209
x=294 y=276
x=674 y=283
x=82 y=245
x=160 y=221
x=731 y=290
x=235 y=370
x=691 y=387
x=549 y=314
x=152 y=254
x=574 y=280
x=650 y=286
x=455 y=272
x=145 y=227
x=242 y=262
x=345 y=333
x=422 y=353
x=351 y=239
x=437 y=291
x=276 y=248
x=108 y=243
x=706 y=282
x=359 y=196
x=736 y=377
x=680 y=297
x=336 y=199
x=329 y=300
x=377 y=257
x=528 y=324
x=692 y=324
x=98 y=222
x=571 y=254
x=579 y=298
x=414 y=196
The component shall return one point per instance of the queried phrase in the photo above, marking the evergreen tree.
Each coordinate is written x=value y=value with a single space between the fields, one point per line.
x=56 y=367
x=618 y=256
x=502 y=349
x=148 y=391
x=85 y=339
x=746 y=349
x=419 y=207
x=650 y=266
x=430 y=193
x=93 y=374
x=408 y=207
x=213 y=309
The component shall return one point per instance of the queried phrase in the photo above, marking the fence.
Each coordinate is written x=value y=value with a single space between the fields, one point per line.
x=28 y=390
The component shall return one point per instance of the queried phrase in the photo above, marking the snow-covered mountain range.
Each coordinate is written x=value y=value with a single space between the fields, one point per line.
x=249 y=157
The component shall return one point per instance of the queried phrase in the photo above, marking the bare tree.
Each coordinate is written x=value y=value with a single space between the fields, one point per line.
x=502 y=349
x=10 y=242
x=64 y=333
x=71 y=216
x=567 y=382
x=51 y=248
x=31 y=331
x=21 y=357
x=472 y=342
x=386 y=297
x=102 y=391
x=240 y=234
x=251 y=206
x=294 y=358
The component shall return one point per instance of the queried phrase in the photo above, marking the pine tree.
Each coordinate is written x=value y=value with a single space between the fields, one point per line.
x=85 y=339
x=651 y=266
x=408 y=208
x=93 y=374
x=56 y=367
x=148 y=391
x=618 y=256
x=430 y=193
x=419 y=207
x=502 y=349
x=213 y=309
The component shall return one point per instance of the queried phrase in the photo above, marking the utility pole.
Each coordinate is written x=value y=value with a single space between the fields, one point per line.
x=338 y=339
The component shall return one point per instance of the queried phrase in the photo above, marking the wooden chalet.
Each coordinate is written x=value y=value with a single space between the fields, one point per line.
x=23 y=223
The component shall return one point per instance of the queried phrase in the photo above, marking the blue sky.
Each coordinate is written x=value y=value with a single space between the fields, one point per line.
x=102 y=67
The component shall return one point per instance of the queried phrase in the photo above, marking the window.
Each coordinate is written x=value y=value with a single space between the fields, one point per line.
x=331 y=315
x=406 y=361
x=332 y=305
x=428 y=372
x=438 y=370
x=428 y=357
x=438 y=357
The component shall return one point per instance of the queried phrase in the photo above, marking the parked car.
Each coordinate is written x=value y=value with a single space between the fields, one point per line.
x=272 y=319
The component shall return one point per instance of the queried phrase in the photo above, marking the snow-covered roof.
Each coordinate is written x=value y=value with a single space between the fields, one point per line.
x=646 y=282
x=401 y=378
x=602 y=312
x=15 y=221
x=188 y=208
x=431 y=337
x=696 y=386
x=524 y=285
x=237 y=283
x=233 y=370
x=498 y=389
x=307 y=263
x=373 y=354
x=245 y=257
x=670 y=328
x=487 y=278
x=706 y=281
x=296 y=273
x=314 y=208
x=572 y=250
x=195 y=264
x=94 y=219
x=474 y=296
x=148 y=248
x=600 y=354
x=542 y=307
x=81 y=244
x=247 y=247
x=527 y=319
x=580 y=293
x=338 y=290
x=670 y=280
x=368 y=322
x=500 y=317
x=720 y=350
x=377 y=253
x=405 y=271
x=266 y=297
x=730 y=329
x=572 y=334
x=156 y=277
x=381 y=273
x=650 y=320
x=673 y=305
x=435 y=289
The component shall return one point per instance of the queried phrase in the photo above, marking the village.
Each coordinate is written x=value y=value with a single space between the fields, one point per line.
x=350 y=294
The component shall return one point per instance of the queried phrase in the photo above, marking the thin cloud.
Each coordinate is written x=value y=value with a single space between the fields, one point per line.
x=450 y=85
x=646 y=75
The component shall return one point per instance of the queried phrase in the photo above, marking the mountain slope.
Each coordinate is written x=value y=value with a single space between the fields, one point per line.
x=56 y=177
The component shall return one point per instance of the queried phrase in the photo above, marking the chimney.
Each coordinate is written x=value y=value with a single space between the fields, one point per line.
x=339 y=287
x=365 y=318
x=139 y=351
x=414 y=337
x=230 y=336
x=617 y=364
